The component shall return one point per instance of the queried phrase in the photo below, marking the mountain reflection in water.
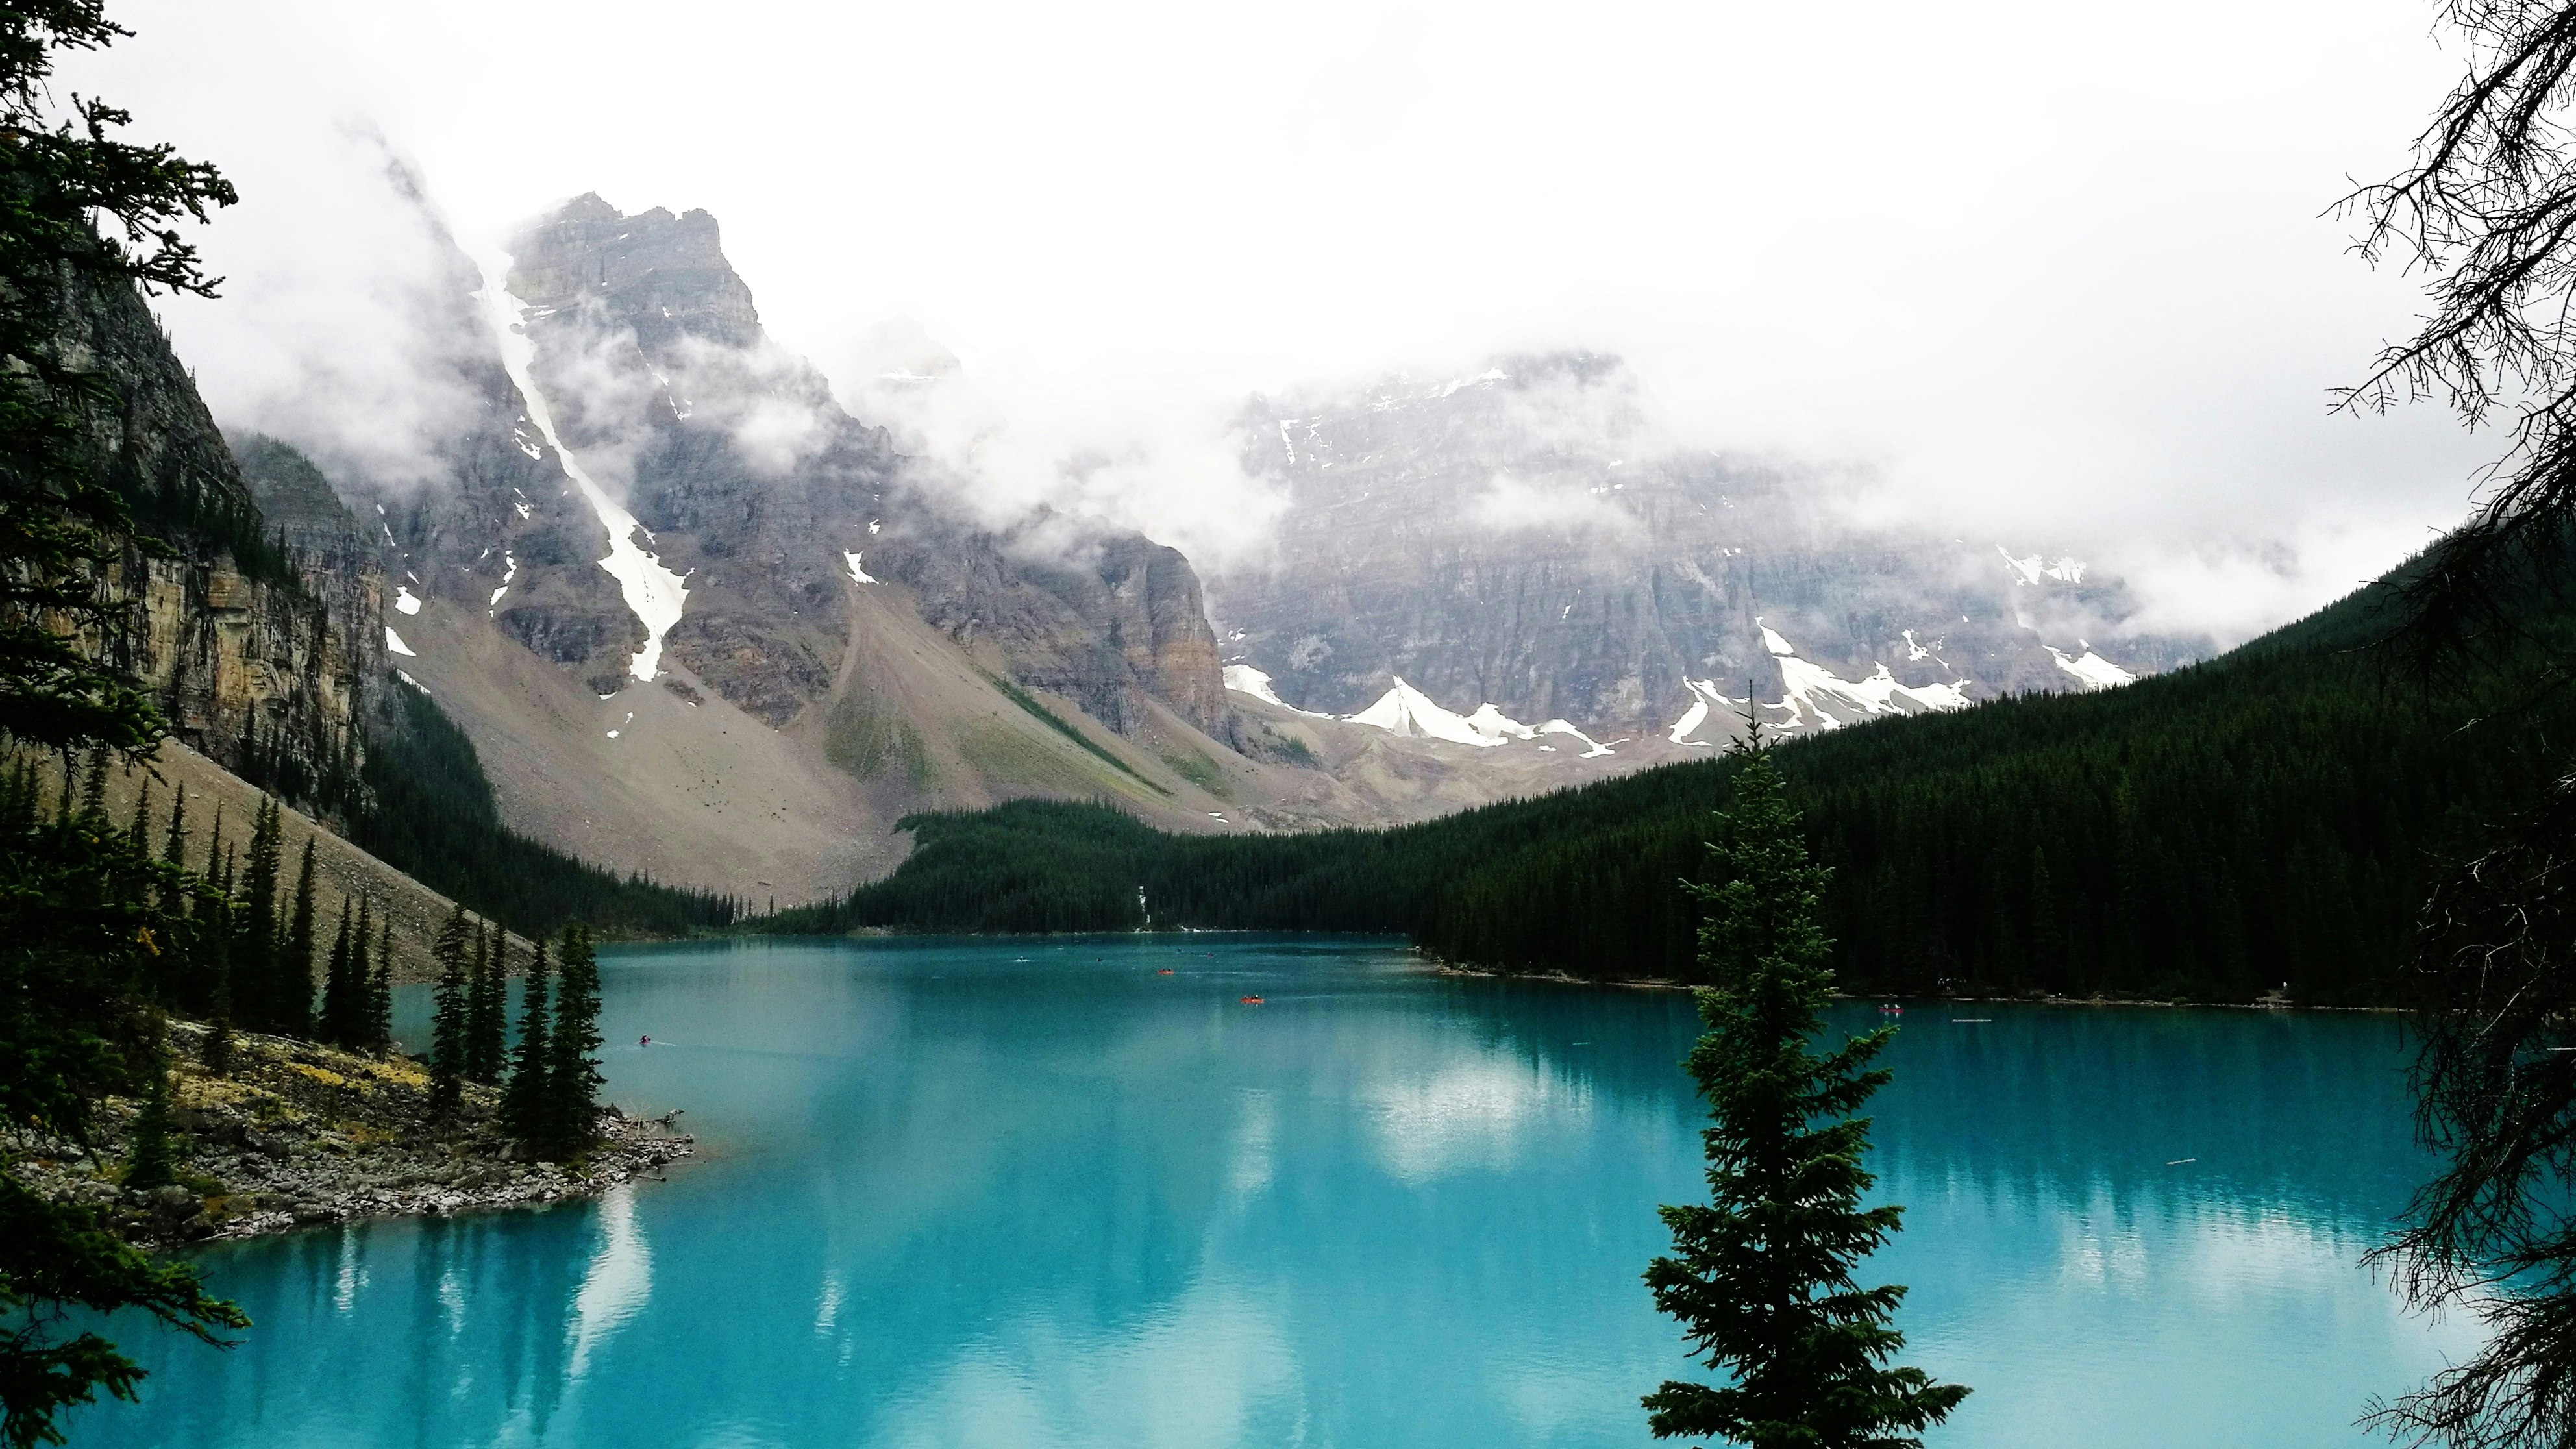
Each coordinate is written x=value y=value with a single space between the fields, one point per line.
x=950 y=1197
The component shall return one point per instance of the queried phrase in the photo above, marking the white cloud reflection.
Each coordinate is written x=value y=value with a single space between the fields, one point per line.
x=1476 y=1110
x=617 y=1283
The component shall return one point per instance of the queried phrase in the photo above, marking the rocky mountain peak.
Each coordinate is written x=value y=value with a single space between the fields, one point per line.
x=1534 y=537
x=663 y=277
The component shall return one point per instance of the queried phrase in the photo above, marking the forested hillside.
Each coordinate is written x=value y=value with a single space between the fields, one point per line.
x=420 y=801
x=2213 y=833
x=429 y=813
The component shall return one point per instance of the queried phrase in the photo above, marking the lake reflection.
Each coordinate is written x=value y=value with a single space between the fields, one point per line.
x=1027 y=1194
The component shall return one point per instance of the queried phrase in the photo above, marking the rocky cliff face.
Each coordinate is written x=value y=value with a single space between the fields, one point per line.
x=760 y=492
x=493 y=518
x=258 y=662
x=297 y=506
x=1527 y=537
x=1120 y=624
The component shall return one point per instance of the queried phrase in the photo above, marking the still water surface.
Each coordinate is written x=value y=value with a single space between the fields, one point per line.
x=1030 y=1195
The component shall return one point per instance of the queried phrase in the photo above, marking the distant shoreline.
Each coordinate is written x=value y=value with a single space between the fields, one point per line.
x=1563 y=978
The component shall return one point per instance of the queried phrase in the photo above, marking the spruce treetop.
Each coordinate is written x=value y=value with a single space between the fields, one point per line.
x=1762 y=1275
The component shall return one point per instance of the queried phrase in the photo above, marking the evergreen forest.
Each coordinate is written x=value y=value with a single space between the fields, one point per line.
x=2262 y=824
x=428 y=811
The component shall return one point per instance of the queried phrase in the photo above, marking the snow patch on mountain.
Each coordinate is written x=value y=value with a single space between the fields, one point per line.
x=1815 y=697
x=1592 y=748
x=656 y=594
x=1407 y=711
x=1704 y=693
x=1244 y=679
x=2096 y=671
x=2034 y=568
x=405 y=600
x=858 y=575
x=394 y=644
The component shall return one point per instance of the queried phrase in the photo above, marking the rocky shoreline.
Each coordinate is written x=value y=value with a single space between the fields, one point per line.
x=296 y=1135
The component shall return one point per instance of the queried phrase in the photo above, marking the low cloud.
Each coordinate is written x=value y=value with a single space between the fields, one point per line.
x=1511 y=504
x=2232 y=590
x=775 y=406
x=346 y=325
x=1049 y=480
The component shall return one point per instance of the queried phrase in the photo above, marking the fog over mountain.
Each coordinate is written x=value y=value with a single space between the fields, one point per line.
x=2014 y=272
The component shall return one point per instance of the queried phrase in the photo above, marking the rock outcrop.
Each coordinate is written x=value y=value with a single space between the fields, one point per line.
x=258 y=663
x=758 y=489
x=297 y=1134
x=1120 y=626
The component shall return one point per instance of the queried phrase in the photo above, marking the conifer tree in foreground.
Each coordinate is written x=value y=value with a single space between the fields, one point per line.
x=1761 y=1274
x=174 y=851
x=525 y=1099
x=344 y=1004
x=138 y=835
x=79 y=908
x=255 y=933
x=487 y=1015
x=94 y=784
x=213 y=928
x=380 y=986
x=295 y=960
x=150 y=1162
x=572 y=1060
x=447 y=1023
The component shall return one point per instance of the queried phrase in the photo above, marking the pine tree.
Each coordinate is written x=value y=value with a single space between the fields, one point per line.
x=255 y=935
x=150 y=1160
x=1762 y=1273
x=94 y=785
x=487 y=1036
x=295 y=962
x=78 y=909
x=525 y=1099
x=380 y=986
x=572 y=1062
x=211 y=928
x=174 y=851
x=138 y=836
x=447 y=1023
x=214 y=927
x=343 y=998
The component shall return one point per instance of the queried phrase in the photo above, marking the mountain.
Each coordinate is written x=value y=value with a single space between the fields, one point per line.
x=256 y=621
x=701 y=623
x=2259 y=826
x=1532 y=539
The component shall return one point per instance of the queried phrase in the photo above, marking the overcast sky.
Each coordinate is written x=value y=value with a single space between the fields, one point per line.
x=2060 y=274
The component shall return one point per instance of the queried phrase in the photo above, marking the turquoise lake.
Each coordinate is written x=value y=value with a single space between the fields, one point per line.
x=1034 y=1195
